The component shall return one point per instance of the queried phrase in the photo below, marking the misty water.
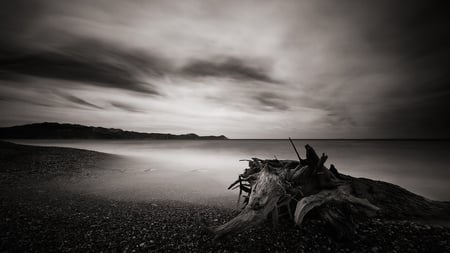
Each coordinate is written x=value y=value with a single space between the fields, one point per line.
x=191 y=170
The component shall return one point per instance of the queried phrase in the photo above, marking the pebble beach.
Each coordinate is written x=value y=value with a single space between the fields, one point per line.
x=38 y=214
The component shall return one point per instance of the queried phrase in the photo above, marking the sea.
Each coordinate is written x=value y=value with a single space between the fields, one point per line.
x=186 y=169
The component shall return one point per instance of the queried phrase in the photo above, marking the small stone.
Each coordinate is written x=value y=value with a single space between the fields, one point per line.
x=374 y=249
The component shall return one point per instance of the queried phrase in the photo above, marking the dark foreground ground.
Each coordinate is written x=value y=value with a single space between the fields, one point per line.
x=37 y=214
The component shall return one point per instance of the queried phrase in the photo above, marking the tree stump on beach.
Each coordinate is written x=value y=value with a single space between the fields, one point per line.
x=307 y=188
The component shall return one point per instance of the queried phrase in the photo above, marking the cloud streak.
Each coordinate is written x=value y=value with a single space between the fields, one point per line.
x=87 y=61
x=81 y=102
x=271 y=102
x=126 y=107
x=228 y=68
x=246 y=69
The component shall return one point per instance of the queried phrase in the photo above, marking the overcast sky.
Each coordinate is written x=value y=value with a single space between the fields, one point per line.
x=245 y=69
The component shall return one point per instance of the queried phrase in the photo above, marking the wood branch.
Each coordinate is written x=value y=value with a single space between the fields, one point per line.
x=235 y=187
x=261 y=202
x=341 y=194
x=302 y=173
x=311 y=156
x=285 y=203
x=295 y=149
x=334 y=171
x=240 y=192
x=245 y=189
x=319 y=167
x=234 y=183
x=325 y=177
x=251 y=177
x=245 y=220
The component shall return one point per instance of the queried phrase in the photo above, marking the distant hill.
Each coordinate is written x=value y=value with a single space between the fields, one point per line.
x=48 y=130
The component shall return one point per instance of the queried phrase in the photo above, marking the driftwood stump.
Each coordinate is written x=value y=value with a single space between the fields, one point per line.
x=299 y=189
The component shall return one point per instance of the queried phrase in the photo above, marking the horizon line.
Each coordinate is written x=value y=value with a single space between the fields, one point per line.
x=348 y=139
x=228 y=138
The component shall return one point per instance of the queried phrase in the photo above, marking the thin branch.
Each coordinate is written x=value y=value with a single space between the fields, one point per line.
x=295 y=149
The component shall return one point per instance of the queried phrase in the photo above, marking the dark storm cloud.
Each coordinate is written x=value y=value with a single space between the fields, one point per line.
x=229 y=68
x=7 y=98
x=426 y=118
x=87 y=61
x=398 y=82
x=16 y=19
x=67 y=56
x=381 y=67
x=421 y=114
x=418 y=36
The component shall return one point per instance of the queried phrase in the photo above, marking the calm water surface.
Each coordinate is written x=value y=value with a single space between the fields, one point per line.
x=193 y=166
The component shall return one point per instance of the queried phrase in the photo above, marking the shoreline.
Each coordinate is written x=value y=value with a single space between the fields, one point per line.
x=41 y=217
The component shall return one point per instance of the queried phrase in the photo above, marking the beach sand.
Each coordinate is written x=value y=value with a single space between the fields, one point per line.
x=49 y=203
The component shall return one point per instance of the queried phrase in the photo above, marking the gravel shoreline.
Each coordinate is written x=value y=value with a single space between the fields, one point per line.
x=37 y=216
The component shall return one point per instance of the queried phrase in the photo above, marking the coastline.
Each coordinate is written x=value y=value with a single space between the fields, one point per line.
x=41 y=217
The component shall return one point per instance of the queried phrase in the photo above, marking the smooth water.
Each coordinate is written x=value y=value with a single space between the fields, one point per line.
x=196 y=167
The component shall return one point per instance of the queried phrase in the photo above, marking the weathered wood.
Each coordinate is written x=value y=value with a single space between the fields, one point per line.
x=263 y=199
x=308 y=186
x=340 y=194
x=234 y=183
x=311 y=156
x=295 y=149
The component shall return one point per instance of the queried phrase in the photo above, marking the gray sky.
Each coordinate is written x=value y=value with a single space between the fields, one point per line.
x=245 y=69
